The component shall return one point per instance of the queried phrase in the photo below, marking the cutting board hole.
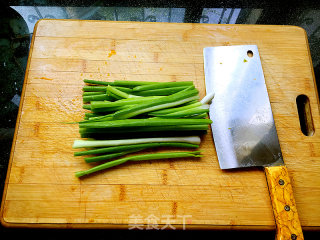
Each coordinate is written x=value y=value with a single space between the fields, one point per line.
x=250 y=53
x=305 y=116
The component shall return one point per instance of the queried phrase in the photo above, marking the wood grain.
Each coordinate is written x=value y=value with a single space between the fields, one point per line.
x=283 y=204
x=41 y=190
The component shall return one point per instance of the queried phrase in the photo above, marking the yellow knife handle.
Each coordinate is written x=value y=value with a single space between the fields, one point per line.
x=283 y=204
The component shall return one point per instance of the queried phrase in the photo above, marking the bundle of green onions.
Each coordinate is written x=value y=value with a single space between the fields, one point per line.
x=132 y=113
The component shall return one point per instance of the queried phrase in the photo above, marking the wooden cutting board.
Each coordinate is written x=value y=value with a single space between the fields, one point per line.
x=41 y=189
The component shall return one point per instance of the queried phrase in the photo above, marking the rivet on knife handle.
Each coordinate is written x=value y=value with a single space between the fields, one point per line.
x=283 y=204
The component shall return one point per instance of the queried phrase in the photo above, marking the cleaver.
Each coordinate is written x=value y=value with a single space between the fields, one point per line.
x=243 y=127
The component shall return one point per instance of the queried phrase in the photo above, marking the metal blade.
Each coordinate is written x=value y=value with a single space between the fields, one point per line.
x=243 y=127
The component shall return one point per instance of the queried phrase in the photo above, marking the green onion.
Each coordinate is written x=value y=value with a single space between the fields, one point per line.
x=91 y=93
x=118 y=93
x=135 y=146
x=157 y=104
x=111 y=109
x=110 y=156
x=110 y=143
x=98 y=82
x=143 y=157
x=141 y=112
x=151 y=122
x=96 y=105
x=114 y=96
x=160 y=92
x=107 y=117
x=198 y=116
x=187 y=112
x=199 y=127
x=101 y=167
x=131 y=112
x=131 y=83
x=207 y=99
x=86 y=106
x=89 y=115
x=94 y=88
x=162 y=85
x=173 y=110
x=100 y=97
x=124 y=89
